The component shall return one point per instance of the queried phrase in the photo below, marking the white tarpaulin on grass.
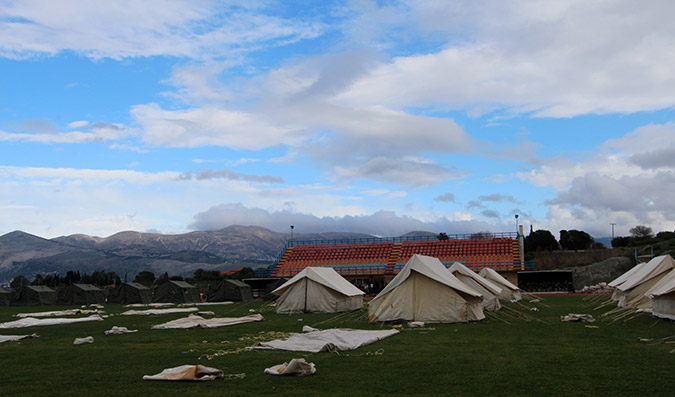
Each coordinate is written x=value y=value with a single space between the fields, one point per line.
x=14 y=338
x=36 y=322
x=153 y=312
x=509 y=292
x=328 y=340
x=57 y=313
x=187 y=373
x=297 y=367
x=479 y=284
x=193 y=321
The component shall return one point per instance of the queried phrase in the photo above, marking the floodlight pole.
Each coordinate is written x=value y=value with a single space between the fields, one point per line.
x=292 y=227
x=516 y=223
x=612 y=230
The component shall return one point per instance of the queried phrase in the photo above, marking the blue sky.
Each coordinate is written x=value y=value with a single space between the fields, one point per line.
x=377 y=117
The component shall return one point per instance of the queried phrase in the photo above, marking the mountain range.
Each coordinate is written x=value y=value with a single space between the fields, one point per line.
x=127 y=253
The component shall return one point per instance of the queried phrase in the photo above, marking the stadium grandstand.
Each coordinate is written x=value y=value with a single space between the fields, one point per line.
x=373 y=262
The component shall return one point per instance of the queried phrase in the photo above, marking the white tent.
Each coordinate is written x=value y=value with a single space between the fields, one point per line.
x=489 y=290
x=318 y=289
x=509 y=291
x=426 y=291
x=662 y=295
x=632 y=292
x=622 y=278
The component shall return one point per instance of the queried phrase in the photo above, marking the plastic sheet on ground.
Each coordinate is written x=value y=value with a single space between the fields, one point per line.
x=152 y=312
x=331 y=340
x=36 y=322
x=57 y=313
x=297 y=366
x=187 y=373
x=149 y=304
x=572 y=317
x=206 y=304
x=14 y=338
x=115 y=330
x=193 y=321
x=82 y=341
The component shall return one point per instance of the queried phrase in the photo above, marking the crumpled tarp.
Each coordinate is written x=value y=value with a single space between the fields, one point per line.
x=205 y=303
x=158 y=304
x=150 y=312
x=586 y=318
x=335 y=339
x=14 y=338
x=56 y=313
x=187 y=372
x=82 y=341
x=36 y=322
x=297 y=366
x=115 y=330
x=193 y=321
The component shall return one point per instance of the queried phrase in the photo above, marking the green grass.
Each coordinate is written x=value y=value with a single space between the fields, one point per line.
x=538 y=355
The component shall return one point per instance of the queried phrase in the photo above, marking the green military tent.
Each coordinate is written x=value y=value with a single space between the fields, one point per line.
x=81 y=294
x=229 y=290
x=34 y=295
x=5 y=297
x=129 y=293
x=176 y=292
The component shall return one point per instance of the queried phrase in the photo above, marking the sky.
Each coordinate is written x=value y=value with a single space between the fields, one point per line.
x=379 y=117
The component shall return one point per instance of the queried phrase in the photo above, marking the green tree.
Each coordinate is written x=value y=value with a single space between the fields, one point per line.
x=145 y=277
x=641 y=232
x=575 y=240
x=541 y=240
x=442 y=236
x=18 y=282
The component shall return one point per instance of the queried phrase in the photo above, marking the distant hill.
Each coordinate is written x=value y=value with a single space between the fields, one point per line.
x=129 y=252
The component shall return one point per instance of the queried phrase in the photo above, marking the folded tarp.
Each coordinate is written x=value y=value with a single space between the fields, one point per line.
x=328 y=340
x=297 y=366
x=187 y=372
x=115 y=330
x=193 y=321
x=150 y=312
x=36 y=322
x=149 y=304
x=57 y=313
x=206 y=304
x=14 y=338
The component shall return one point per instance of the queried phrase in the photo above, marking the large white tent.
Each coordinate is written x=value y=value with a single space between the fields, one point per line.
x=632 y=292
x=318 y=289
x=510 y=292
x=489 y=290
x=426 y=291
x=622 y=278
x=662 y=295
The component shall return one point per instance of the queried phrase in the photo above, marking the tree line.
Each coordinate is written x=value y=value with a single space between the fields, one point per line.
x=575 y=240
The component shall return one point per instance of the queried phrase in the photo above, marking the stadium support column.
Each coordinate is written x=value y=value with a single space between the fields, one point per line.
x=521 y=248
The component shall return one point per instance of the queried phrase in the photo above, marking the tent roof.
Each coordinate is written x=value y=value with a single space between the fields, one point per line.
x=40 y=288
x=492 y=275
x=87 y=287
x=4 y=291
x=432 y=268
x=622 y=278
x=238 y=283
x=651 y=269
x=137 y=285
x=182 y=284
x=665 y=286
x=326 y=276
x=461 y=269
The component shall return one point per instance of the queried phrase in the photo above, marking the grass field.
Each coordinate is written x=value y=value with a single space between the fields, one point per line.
x=511 y=354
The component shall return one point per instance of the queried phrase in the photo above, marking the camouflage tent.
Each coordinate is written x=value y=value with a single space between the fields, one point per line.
x=81 y=294
x=229 y=290
x=176 y=292
x=128 y=293
x=34 y=295
x=5 y=297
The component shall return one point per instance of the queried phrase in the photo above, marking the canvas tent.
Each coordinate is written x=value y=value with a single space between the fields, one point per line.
x=622 y=278
x=34 y=295
x=662 y=295
x=129 y=293
x=426 y=291
x=176 y=292
x=632 y=292
x=509 y=292
x=5 y=297
x=489 y=290
x=80 y=294
x=318 y=289
x=229 y=290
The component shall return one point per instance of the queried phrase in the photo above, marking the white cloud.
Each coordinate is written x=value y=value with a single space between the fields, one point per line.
x=98 y=132
x=77 y=124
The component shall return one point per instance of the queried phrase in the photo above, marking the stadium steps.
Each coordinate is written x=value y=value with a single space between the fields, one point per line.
x=282 y=261
x=393 y=258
